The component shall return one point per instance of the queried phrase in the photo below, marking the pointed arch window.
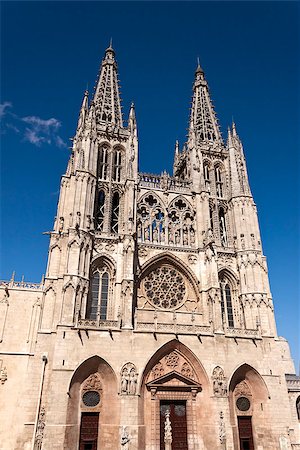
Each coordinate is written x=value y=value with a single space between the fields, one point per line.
x=100 y=210
x=117 y=165
x=222 y=223
x=92 y=307
x=115 y=213
x=211 y=218
x=98 y=296
x=298 y=407
x=226 y=303
x=206 y=176
x=219 y=182
x=103 y=163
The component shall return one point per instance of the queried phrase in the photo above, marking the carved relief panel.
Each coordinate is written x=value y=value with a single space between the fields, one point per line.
x=173 y=361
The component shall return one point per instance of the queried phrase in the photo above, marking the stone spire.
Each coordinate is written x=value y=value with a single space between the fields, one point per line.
x=238 y=171
x=132 y=121
x=203 y=125
x=83 y=111
x=107 y=96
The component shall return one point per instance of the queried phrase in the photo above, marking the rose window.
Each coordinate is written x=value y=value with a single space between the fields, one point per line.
x=165 y=287
x=243 y=403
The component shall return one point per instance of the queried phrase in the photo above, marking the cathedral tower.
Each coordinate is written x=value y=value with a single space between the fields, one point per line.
x=96 y=213
x=154 y=327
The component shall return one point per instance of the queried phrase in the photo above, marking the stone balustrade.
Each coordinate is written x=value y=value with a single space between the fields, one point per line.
x=164 y=182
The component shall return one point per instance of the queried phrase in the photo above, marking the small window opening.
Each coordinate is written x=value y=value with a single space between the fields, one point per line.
x=298 y=407
x=117 y=166
x=103 y=163
x=100 y=211
x=219 y=183
x=206 y=177
x=211 y=220
x=115 y=213
x=222 y=222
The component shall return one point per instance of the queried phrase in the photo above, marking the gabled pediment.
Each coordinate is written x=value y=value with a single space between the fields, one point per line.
x=173 y=381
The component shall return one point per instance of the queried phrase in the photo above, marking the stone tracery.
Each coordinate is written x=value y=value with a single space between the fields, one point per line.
x=151 y=220
x=159 y=225
x=165 y=287
x=173 y=361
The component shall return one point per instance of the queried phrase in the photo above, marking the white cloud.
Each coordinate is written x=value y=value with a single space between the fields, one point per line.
x=37 y=131
x=42 y=131
x=44 y=125
x=13 y=127
x=32 y=137
x=60 y=143
x=3 y=108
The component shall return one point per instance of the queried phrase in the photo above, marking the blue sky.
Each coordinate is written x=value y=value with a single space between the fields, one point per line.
x=250 y=53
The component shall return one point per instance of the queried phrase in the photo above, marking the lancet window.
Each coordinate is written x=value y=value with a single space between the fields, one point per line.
x=103 y=163
x=298 y=407
x=206 y=176
x=222 y=224
x=219 y=182
x=98 y=294
x=211 y=218
x=100 y=206
x=117 y=165
x=114 y=225
x=226 y=302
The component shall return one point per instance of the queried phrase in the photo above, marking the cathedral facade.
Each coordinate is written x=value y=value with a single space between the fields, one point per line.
x=154 y=327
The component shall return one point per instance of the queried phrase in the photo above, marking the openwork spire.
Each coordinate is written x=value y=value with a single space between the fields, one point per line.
x=203 y=122
x=107 y=97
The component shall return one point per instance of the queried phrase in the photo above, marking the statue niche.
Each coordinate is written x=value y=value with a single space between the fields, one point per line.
x=129 y=377
x=219 y=382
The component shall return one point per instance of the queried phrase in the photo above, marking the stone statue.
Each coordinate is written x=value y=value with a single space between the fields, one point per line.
x=222 y=431
x=146 y=233
x=168 y=431
x=125 y=439
x=219 y=382
x=61 y=224
x=155 y=235
x=128 y=379
x=192 y=234
x=124 y=382
x=185 y=237
x=132 y=382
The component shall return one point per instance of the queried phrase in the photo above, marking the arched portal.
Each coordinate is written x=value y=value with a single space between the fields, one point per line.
x=249 y=408
x=175 y=384
x=92 y=414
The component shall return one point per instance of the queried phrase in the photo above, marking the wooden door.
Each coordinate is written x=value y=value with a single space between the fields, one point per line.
x=178 y=424
x=245 y=433
x=89 y=431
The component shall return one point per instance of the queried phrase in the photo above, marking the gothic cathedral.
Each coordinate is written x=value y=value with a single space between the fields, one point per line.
x=154 y=327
